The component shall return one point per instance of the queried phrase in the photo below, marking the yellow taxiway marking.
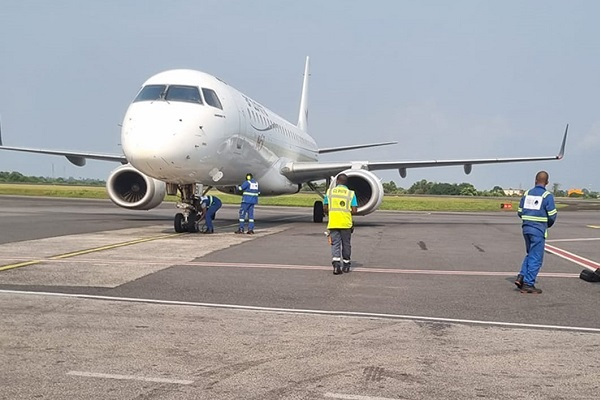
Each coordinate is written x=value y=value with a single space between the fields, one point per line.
x=87 y=251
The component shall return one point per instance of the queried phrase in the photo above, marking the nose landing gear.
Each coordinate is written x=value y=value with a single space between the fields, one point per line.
x=186 y=223
x=187 y=220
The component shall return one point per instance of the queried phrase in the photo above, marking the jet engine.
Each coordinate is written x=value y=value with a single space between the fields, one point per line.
x=368 y=189
x=129 y=188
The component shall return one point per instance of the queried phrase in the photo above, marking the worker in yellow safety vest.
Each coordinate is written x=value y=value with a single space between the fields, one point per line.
x=340 y=204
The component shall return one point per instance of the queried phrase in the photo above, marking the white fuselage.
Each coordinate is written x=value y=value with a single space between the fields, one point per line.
x=187 y=142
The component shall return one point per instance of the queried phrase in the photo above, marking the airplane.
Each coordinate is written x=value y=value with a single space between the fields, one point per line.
x=187 y=131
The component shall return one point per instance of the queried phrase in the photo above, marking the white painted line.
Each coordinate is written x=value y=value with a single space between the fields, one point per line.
x=584 y=262
x=352 y=314
x=573 y=240
x=129 y=377
x=354 y=397
x=211 y=264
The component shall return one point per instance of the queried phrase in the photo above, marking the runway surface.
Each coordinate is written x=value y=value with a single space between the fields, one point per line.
x=103 y=302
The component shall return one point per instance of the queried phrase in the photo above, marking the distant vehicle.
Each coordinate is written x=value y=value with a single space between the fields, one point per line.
x=187 y=131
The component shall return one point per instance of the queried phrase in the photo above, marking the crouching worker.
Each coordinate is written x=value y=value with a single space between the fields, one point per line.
x=208 y=208
x=340 y=204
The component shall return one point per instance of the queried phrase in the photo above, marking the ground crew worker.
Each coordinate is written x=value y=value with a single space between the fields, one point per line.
x=340 y=204
x=537 y=211
x=208 y=208
x=250 y=197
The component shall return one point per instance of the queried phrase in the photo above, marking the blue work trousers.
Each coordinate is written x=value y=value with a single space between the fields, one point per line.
x=210 y=215
x=535 y=249
x=246 y=210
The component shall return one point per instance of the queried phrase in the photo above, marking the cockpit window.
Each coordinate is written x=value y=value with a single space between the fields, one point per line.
x=188 y=94
x=151 y=93
x=211 y=98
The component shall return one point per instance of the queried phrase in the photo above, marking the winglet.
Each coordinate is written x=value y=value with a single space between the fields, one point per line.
x=303 y=113
x=563 y=144
x=0 y=130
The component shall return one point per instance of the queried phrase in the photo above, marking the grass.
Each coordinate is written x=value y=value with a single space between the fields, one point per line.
x=406 y=203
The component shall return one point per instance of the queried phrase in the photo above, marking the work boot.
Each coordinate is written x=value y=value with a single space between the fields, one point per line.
x=208 y=232
x=239 y=231
x=530 y=289
x=346 y=267
x=337 y=270
x=250 y=232
x=519 y=281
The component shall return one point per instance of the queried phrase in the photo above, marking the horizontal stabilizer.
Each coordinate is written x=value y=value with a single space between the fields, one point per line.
x=353 y=147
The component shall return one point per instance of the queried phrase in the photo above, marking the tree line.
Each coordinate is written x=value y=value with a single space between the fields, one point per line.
x=432 y=188
x=17 y=177
x=464 y=189
x=421 y=187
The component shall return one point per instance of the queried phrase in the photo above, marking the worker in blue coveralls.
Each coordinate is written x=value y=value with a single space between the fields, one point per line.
x=209 y=205
x=250 y=197
x=537 y=211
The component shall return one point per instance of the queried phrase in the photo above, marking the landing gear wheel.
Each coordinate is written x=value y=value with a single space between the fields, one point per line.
x=192 y=224
x=179 y=223
x=318 y=211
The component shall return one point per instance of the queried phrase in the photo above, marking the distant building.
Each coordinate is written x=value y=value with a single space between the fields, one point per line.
x=575 y=193
x=513 y=192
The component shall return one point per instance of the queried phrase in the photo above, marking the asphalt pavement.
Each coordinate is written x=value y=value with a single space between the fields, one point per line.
x=98 y=301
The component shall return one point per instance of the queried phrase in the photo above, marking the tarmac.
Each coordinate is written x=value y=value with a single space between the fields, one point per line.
x=101 y=302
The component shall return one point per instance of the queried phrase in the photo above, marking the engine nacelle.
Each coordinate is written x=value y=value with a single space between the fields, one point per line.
x=129 y=188
x=367 y=187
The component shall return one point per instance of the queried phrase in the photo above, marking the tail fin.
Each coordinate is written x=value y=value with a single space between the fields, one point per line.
x=303 y=113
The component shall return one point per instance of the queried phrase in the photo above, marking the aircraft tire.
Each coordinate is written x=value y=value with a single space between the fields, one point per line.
x=192 y=225
x=179 y=224
x=318 y=212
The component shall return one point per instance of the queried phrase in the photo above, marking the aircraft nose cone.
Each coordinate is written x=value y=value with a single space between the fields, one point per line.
x=157 y=137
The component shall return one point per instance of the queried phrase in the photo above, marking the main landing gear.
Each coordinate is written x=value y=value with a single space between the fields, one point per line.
x=318 y=213
x=187 y=220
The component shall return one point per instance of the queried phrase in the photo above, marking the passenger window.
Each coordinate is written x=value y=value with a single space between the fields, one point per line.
x=189 y=94
x=211 y=98
x=151 y=93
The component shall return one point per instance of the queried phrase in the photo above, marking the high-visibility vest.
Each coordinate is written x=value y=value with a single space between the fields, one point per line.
x=339 y=208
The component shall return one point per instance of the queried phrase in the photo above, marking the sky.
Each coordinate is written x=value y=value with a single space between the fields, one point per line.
x=446 y=79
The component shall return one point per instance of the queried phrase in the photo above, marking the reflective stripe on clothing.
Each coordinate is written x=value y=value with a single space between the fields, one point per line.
x=533 y=218
x=339 y=208
x=537 y=211
x=250 y=191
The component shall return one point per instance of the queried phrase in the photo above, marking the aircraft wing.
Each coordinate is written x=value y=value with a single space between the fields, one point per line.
x=77 y=158
x=300 y=172
x=353 y=147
